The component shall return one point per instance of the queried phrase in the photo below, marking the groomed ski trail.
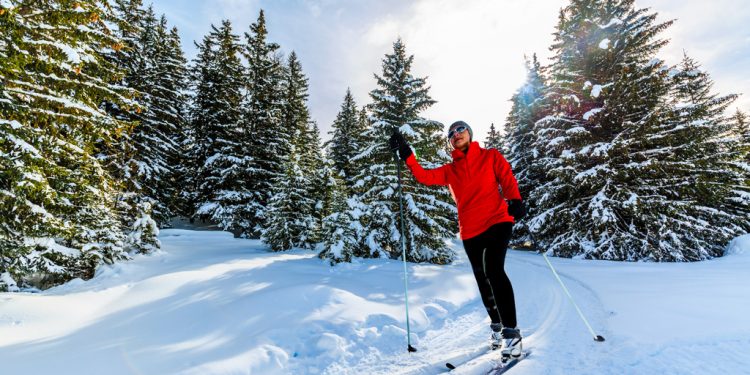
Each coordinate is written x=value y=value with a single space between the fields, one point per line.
x=548 y=322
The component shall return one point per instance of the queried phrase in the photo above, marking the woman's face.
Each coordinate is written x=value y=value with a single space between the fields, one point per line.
x=460 y=141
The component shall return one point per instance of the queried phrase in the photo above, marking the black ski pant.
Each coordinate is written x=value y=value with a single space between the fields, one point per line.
x=487 y=256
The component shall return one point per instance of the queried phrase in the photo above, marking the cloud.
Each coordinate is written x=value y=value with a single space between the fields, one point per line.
x=471 y=51
x=714 y=33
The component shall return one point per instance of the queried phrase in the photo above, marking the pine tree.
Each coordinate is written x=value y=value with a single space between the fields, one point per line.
x=316 y=178
x=599 y=49
x=429 y=218
x=268 y=142
x=129 y=16
x=288 y=213
x=518 y=141
x=56 y=200
x=698 y=144
x=172 y=67
x=741 y=123
x=144 y=159
x=494 y=139
x=158 y=74
x=614 y=186
x=340 y=239
x=742 y=152
x=742 y=132
x=220 y=149
x=143 y=236
x=304 y=167
x=346 y=138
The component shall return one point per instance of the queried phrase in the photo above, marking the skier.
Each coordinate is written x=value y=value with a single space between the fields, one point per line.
x=485 y=221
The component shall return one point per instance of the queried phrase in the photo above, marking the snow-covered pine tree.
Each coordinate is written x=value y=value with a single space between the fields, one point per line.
x=582 y=209
x=220 y=150
x=742 y=132
x=158 y=74
x=494 y=138
x=587 y=204
x=142 y=238
x=695 y=148
x=518 y=140
x=142 y=160
x=56 y=201
x=288 y=214
x=134 y=27
x=316 y=179
x=306 y=160
x=340 y=238
x=347 y=139
x=614 y=189
x=741 y=123
x=129 y=16
x=429 y=217
x=267 y=141
x=171 y=108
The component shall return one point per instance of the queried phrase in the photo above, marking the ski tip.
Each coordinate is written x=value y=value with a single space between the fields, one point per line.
x=450 y=366
x=599 y=338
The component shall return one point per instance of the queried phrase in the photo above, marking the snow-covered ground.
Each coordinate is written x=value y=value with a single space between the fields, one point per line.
x=212 y=304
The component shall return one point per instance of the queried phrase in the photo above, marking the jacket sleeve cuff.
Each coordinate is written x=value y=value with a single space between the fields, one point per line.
x=411 y=160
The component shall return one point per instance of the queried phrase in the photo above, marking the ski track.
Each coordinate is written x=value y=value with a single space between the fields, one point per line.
x=544 y=313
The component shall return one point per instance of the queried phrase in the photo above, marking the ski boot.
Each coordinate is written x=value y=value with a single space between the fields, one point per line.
x=511 y=343
x=496 y=339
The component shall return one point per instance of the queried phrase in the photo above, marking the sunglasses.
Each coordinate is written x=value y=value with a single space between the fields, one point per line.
x=455 y=131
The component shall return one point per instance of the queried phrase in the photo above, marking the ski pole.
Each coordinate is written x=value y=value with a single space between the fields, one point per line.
x=597 y=338
x=409 y=348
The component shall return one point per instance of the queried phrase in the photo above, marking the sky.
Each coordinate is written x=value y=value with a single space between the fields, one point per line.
x=471 y=51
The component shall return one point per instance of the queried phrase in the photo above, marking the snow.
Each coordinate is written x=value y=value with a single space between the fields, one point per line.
x=212 y=304
x=52 y=246
x=7 y=280
x=23 y=145
x=576 y=130
x=604 y=44
x=6 y=4
x=613 y=21
x=592 y=112
x=739 y=246
x=596 y=90
x=64 y=101
x=38 y=209
x=75 y=56
x=13 y=123
x=653 y=62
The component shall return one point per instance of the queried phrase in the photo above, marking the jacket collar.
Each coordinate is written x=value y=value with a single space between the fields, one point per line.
x=473 y=149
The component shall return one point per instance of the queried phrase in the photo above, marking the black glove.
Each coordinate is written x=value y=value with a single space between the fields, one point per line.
x=516 y=209
x=397 y=142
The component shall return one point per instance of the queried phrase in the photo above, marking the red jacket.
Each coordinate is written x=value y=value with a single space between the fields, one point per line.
x=473 y=179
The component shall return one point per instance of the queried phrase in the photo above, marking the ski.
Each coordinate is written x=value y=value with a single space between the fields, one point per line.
x=497 y=369
x=476 y=353
x=507 y=365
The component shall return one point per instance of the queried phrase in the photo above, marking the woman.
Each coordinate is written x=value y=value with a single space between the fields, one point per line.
x=485 y=221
